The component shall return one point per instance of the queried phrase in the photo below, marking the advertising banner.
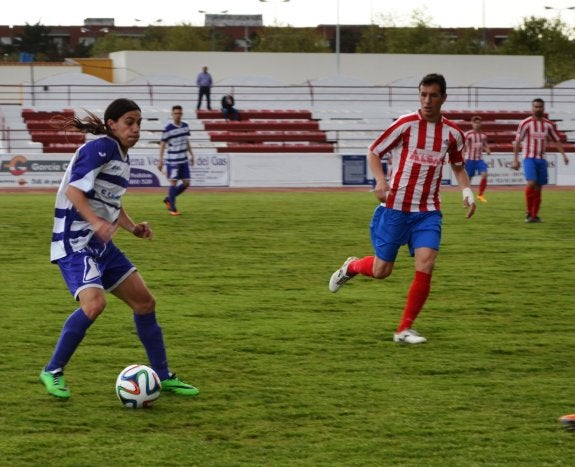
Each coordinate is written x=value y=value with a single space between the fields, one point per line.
x=499 y=171
x=47 y=170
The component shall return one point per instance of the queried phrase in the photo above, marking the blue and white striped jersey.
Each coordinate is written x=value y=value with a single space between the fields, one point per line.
x=176 y=138
x=102 y=171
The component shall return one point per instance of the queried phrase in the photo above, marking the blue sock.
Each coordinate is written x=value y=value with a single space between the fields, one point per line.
x=150 y=334
x=180 y=189
x=172 y=193
x=72 y=334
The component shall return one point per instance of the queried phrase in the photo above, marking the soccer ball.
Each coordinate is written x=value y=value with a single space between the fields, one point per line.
x=138 y=386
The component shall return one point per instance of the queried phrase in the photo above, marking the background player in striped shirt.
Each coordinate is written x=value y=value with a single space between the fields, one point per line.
x=87 y=214
x=409 y=211
x=532 y=136
x=475 y=145
x=176 y=137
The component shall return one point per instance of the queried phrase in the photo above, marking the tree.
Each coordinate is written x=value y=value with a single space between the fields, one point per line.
x=288 y=39
x=420 y=38
x=35 y=40
x=182 y=38
x=547 y=37
x=112 y=42
x=373 y=40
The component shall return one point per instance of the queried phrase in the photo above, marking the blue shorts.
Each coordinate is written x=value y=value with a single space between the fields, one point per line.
x=475 y=168
x=390 y=229
x=104 y=267
x=178 y=171
x=535 y=170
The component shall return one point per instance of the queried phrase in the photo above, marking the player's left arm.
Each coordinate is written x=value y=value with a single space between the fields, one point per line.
x=486 y=147
x=458 y=168
x=554 y=135
x=463 y=181
x=560 y=148
x=192 y=161
x=141 y=229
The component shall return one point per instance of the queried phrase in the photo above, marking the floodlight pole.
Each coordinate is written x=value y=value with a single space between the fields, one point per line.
x=337 y=40
x=212 y=28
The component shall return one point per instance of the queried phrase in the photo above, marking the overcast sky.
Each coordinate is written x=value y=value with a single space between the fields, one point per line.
x=444 y=13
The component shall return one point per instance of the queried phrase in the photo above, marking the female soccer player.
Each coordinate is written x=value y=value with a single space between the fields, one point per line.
x=88 y=212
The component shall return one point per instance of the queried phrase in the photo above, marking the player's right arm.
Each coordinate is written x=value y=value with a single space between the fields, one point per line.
x=516 y=146
x=162 y=149
x=381 y=186
x=102 y=228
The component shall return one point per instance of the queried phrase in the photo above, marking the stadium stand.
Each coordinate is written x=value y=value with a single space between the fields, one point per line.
x=500 y=127
x=344 y=130
x=44 y=128
x=266 y=130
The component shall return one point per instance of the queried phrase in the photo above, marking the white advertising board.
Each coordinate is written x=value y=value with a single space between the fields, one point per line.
x=46 y=170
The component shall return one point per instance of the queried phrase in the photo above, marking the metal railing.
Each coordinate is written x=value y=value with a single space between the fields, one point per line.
x=266 y=96
x=335 y=103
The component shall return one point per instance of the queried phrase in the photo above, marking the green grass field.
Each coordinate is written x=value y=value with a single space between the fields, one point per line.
x=290 y=374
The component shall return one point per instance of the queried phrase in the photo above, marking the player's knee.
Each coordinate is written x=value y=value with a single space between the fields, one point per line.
x=382 y=272
x=146 y=304
x=94 y=307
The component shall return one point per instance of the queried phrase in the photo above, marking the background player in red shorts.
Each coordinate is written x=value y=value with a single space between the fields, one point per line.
x=475 y=145
x=532 y=136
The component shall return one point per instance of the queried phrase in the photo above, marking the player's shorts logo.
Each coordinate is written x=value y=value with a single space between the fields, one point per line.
x=91 y=270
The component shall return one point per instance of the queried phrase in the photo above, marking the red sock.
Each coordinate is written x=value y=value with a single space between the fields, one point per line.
x=482 y=185
x=363 y=266
x=536 y=202
x=529 y=198
x=418 y=293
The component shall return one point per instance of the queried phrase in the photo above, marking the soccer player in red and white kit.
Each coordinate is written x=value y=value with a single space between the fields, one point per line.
x=409 y=211
x=532 y=135
x=475 y=145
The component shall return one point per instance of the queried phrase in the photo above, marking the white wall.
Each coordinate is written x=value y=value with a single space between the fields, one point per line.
x=285 y=170
x=298 y=68
x=14 y=76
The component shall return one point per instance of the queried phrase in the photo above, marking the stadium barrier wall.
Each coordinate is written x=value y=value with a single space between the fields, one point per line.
x=238 y=170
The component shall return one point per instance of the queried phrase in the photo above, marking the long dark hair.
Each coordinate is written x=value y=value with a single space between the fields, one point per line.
x=94 y=124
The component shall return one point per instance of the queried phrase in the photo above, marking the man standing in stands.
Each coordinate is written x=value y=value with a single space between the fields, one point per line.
x=532 y=135
x=475 y=145
x=204 y=83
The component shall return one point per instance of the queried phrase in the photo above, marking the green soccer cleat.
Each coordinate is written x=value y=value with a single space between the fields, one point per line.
x=55 y=383
x=177 y=386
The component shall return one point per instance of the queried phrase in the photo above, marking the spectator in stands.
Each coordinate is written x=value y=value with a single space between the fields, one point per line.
x=88 y=213
x=409 y=211
x=176 y=136
x=228 y=109
x=475 y=145
x=204 y=82
x=532 y=135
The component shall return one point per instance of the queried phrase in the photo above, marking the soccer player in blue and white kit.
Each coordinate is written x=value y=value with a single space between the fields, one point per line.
x=176 y=136
x=87 y=214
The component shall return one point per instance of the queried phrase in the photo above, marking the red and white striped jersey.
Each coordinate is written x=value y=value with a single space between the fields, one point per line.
x=475 y=141
x=418 y=151
x=532 y=134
